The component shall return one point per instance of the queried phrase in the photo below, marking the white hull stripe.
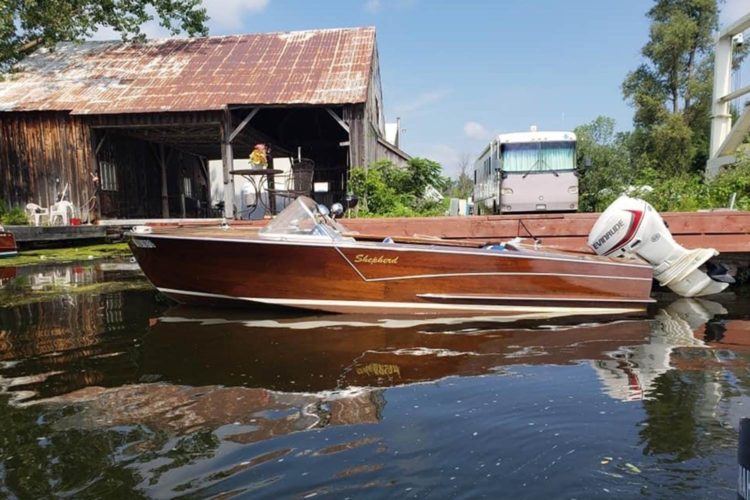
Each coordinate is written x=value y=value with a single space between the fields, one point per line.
x=498 y=273
x=396 y=247
x=405 y=305
x=12 y=252
x=444 y=296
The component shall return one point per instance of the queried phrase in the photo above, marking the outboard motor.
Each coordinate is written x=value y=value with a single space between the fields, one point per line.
x=630 y=226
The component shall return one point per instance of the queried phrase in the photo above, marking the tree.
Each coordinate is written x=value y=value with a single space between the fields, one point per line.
x=671 y=91
x=28 y=24
x=463 y=186
x=604 y=160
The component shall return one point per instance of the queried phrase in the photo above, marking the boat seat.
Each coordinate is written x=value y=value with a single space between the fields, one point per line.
x=496 y=247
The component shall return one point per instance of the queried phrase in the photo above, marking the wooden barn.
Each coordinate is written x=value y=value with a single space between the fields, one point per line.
x=126 y=130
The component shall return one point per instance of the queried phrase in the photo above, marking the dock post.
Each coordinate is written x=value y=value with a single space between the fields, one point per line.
x=743 y=459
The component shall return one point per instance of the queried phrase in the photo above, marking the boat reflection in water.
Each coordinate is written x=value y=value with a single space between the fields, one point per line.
x=201 y=401
x=192 y=369
x=323 y=353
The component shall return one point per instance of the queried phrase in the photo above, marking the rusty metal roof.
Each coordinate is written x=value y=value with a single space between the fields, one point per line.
x=300 y=67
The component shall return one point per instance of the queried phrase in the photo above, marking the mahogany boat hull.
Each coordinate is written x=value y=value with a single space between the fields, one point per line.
x=8 y=247
x=357 y=277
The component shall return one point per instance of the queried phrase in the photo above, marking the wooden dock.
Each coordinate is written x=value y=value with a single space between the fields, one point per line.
x=727 y=231
x=28 y=236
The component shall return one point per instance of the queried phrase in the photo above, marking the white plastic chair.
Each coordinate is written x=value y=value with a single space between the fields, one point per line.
x=62 y=210
x=35 y=213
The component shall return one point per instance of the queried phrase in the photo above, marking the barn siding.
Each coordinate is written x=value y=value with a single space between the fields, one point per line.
x=387 y=153
x=41 y=152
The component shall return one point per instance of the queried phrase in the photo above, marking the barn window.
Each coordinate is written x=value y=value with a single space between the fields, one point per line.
x=187 y=187
x=108 y=176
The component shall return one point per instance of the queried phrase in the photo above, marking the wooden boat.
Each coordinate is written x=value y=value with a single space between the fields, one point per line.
x=8 y=246
x=304 y=259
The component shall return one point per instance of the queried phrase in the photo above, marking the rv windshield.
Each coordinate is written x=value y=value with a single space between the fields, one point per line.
x=303 y=218
x=539 y=157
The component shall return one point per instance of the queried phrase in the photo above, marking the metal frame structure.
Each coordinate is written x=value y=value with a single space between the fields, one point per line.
x=726 y=137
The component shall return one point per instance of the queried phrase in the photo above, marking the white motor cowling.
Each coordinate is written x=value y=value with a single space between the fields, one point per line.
x=630 y=226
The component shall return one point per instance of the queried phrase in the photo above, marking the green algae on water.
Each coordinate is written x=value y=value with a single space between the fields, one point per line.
x=63 y=255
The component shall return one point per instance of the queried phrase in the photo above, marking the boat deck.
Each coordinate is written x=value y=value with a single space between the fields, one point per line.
x=248 y=233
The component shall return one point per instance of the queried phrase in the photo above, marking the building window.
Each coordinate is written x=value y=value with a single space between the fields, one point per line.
x=187 y=187
x=108 y=176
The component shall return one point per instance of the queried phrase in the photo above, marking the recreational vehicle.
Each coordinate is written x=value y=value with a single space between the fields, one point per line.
x=527 y=172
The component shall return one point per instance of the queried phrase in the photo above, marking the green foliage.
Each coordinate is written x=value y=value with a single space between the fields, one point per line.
x=684 y=192
x=463 y=185
x=389 y=191
x=15 y=216
x=610 y=170
x=27 y=24
x=612 y=173
x=663 y=158
x=671 y=91
x=734 y=179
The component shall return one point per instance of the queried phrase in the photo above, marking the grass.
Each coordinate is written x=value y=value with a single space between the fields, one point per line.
x=64 y=255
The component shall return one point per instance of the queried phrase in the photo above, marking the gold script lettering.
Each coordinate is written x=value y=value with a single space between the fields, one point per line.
x=361 y=258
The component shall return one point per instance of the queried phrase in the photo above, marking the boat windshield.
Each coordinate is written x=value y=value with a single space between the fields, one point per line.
x=303 y=218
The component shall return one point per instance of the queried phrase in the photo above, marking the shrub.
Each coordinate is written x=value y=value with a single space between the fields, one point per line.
x=734 y=179
x=14 y=217
x=386 y=190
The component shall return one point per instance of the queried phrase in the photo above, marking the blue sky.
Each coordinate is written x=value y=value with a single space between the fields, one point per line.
x=457 y=72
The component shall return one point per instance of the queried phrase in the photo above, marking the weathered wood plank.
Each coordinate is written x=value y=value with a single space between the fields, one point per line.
x=31 y=234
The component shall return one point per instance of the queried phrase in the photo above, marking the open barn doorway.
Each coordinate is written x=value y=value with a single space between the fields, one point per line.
x=166 y=166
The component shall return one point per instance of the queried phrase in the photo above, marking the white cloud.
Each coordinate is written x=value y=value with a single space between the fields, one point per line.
x=152 y=29
x=447 y=156
x=421 y=101
x=227 y=16
x=373 y=6
x=474 y=130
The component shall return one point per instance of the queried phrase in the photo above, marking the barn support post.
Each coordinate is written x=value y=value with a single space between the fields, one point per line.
x=164 y=191
x=227 y=160
x=355 y=120
x=94 y=205
x=352 y=121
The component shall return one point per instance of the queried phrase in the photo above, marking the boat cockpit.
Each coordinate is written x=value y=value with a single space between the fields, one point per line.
x=304 y=220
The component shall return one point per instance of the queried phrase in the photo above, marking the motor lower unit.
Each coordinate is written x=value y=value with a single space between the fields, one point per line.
x=631 y=226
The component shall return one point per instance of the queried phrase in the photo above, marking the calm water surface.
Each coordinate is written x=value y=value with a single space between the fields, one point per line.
x=107 y=389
